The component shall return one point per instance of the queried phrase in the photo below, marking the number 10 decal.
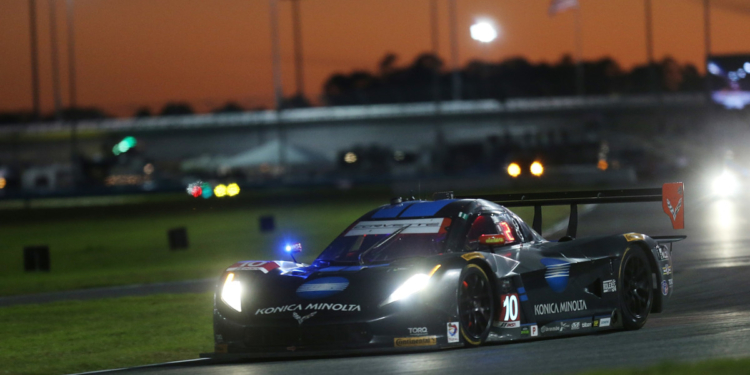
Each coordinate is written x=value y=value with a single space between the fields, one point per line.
x=510 y=307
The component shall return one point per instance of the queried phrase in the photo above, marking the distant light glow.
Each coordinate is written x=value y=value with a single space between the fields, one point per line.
x=220 y=191
x=714 y=69
x=483 y=31
x=148 y=168
x=207 y=191
x=726 y=184
x=741 y=73
x=537 y=169
x=602 y=165
x=746 y=66
x=288 y=248
x=2 y=182
x=732 y=76
x=233 y=189
x=350 y=157
x=195 y=189
x=514 y=170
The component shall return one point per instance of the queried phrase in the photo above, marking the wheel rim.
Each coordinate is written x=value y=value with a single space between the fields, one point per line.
x=475 y=305
x=637 y=289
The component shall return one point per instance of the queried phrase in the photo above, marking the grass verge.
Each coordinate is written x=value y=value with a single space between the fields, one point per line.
x=78 y=336
x=127 y=244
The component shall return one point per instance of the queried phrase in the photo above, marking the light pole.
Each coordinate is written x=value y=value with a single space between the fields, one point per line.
x=34 y=61
x=55 y=64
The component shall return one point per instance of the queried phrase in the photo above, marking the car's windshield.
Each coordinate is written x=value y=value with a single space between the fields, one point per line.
x=374 y=241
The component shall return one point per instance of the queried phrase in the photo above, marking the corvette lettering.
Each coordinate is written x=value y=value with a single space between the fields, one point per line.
x=559 y=308
x=308 y=307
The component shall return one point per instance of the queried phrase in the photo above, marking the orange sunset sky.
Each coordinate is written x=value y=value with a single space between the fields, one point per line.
x=133 y=53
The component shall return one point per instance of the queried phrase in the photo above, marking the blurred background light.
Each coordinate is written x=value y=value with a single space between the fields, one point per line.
x=514 y=170
x=220 y=190
x=537 y=169
x=483 y=31
x=233 y=189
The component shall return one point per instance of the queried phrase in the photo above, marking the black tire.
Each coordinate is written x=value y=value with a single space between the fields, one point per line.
x=476 y=305
x=636 y=290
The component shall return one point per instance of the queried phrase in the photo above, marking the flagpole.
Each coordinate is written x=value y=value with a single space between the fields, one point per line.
x=650 y=47
x=579 y=53
x=707 y=37
x=453 y=26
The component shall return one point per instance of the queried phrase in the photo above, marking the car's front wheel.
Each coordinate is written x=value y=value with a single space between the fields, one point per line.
x=475 y=305
x=636 y=291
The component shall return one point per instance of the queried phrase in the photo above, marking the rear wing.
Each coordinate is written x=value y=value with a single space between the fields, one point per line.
x=672 y=196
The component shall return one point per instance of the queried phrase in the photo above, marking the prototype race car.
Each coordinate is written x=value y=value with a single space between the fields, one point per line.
x=450 y=272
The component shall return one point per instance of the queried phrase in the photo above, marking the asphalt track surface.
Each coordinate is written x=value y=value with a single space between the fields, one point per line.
x=707 y=317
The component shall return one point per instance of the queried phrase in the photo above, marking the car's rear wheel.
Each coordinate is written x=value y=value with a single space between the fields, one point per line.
x=636 y=291
x=475 y=305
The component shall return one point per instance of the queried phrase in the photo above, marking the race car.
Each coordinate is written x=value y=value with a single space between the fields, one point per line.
x=449 y=272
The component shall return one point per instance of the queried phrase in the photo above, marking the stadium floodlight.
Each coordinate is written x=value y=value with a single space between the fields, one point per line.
x=483 y=31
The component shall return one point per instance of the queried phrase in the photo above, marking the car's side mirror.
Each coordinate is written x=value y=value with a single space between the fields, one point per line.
x=492 y=239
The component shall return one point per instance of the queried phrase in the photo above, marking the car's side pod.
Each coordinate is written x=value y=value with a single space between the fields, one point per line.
x=672 y=196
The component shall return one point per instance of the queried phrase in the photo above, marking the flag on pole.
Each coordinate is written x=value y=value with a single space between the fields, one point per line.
x=559 y=6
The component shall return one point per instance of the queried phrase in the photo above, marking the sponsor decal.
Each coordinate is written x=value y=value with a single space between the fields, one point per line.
x=389 y=226
x=585 y=324
x=221 y=348
x=633 y=237
x=301 y=319
x=219 y=338
x=323 y=287
x=662 y=252
x=534 y=330
x=556 y=327
x=557 y=273
x=561 y=307
x=309 y=307
x=526 y=331
x=254 y=265
x=609 y=286
x=418 y=331
x=670 y=282
x=575 y=325
x=452 y=332
x=463 y=215
x=401 y=342
x=672 y=203
x=664 y=287
x=515 y=324
x=509 y=312
x=596 y=323
x=666 y=270
x=604 y=322
x=470 y=256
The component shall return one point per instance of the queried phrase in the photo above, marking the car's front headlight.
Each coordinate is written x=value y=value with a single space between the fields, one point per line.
x=231 y=293
x=412 y=285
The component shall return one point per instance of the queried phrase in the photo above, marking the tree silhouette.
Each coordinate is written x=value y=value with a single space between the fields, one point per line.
x=176 y=109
